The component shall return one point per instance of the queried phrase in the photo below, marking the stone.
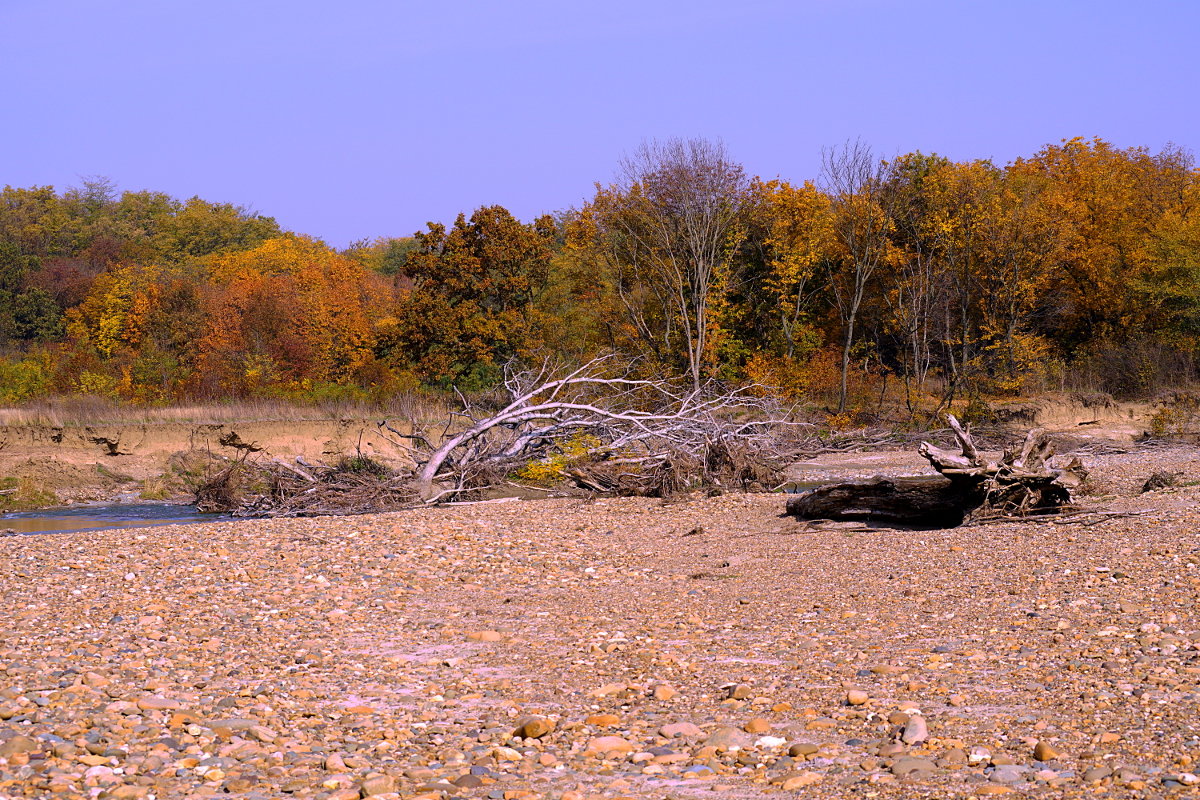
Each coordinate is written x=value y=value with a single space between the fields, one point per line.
x=603 y=745
x=685 y=730
x=1042 y=751
x=802 y=749
x=729 y=739
x=915 y=730
x=533 y=727
x=485 y=636
x=857 y=697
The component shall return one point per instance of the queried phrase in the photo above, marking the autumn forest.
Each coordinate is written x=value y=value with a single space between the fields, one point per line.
x=913 y=281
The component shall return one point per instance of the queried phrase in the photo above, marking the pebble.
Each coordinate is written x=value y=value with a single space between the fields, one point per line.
x=249 y=659
x=915 y=730
x=686 y=730
x=601 y=745
x=1042 y=751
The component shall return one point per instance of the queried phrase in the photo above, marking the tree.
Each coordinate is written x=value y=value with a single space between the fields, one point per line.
x=863 y=220
x=467 y=297
x=800 y=242
x=919 y=284
x=289 y=311
x=669 y=228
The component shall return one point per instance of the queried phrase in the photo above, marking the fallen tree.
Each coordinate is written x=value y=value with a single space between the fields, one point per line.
x=642 y=436
x=646 y=436
x=1020 y=483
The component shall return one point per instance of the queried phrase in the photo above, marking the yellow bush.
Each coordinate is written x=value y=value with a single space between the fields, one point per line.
x=549 y=470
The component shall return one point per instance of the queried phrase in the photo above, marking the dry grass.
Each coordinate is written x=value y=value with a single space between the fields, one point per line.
x=74 y=411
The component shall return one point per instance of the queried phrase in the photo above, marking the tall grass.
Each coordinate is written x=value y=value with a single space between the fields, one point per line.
x=79 y=410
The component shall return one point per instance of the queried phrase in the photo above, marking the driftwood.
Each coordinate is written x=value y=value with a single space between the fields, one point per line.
x=599 y=428
x=644 y=436
x=1021 y=483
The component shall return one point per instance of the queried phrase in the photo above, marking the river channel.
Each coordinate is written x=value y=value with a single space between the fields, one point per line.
x=101 y=517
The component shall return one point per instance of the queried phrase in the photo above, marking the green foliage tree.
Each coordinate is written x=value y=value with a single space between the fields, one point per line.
x=467 y=297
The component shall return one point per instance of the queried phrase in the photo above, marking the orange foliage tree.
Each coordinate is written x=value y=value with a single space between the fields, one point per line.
x=290 y=312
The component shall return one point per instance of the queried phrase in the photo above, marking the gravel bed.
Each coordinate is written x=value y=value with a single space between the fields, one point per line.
x=704 y=648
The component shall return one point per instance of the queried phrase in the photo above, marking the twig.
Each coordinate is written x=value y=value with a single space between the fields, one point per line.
x=1081 y=518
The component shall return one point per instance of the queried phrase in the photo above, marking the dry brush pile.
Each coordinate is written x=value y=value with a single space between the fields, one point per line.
x=597 y=429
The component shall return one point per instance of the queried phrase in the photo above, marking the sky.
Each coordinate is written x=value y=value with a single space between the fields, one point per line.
x=361 y=119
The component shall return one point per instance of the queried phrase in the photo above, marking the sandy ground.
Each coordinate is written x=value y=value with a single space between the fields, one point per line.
x=708 y=648
x=118 y=461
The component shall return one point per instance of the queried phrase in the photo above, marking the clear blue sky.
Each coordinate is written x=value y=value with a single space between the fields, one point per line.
x=366 y=118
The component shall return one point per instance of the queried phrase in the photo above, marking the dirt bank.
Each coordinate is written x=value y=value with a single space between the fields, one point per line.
x=1090 y=416
x=56 y=464
x=90 y=462
x=697 y=649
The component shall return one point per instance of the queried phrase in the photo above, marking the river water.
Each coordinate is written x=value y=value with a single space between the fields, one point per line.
x=102 y=517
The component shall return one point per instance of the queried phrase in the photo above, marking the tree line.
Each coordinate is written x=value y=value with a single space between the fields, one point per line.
x=916 y=281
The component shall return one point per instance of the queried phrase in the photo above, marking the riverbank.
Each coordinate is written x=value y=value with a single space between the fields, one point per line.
x=701 y=648
x=51 y=458
x=161 y=460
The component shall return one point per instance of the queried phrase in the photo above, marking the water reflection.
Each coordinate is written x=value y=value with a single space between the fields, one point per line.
x=102 y=517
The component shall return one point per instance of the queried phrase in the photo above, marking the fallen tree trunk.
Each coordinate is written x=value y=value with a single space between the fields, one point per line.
x=970 y=488
x=598 y=427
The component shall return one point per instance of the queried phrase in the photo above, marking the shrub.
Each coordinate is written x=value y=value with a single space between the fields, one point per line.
x=21 y=494
x=571 y=452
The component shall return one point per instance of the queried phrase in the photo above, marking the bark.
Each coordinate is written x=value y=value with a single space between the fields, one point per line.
x=1020 y=483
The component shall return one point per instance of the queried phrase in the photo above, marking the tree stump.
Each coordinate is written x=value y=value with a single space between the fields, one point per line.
x=970 y=488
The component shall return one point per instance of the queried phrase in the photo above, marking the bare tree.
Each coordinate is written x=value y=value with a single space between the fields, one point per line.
x=669 y=227
x=856 y=183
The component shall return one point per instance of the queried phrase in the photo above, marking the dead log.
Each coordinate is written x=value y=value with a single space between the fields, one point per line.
x=1020 y=483
x=916 y=501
